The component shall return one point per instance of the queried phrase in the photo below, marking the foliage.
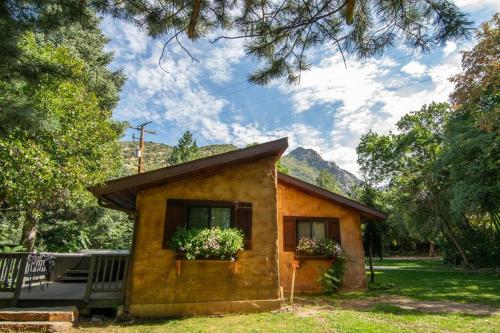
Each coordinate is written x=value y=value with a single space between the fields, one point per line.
x=277 y=34
x=281 y=167
x=331 y=280
x=325 y=247
x=326 y=181
x=185 y=151
x=48 y=165
x=208 y=243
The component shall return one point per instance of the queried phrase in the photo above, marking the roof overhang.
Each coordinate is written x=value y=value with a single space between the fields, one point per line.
x=364 y=210
x=121 y=193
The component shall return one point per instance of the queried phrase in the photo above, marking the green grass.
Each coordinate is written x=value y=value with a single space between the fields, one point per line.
x=430 y=280
x=415 y=279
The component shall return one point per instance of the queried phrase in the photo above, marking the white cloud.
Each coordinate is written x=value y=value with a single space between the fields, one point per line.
x=414 y=68
x=449 y=48
x=475 y=4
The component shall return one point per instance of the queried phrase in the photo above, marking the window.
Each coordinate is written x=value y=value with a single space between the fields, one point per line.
x=311 y=229
x=317 y=228
x=200 y=214
x=200 y=217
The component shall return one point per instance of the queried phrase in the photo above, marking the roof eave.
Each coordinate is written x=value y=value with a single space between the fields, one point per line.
x=363 y=209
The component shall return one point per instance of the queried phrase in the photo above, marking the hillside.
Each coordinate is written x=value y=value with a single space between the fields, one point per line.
x=301 y=163
x=307 y=163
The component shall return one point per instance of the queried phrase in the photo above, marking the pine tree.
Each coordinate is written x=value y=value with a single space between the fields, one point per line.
x=186 y=150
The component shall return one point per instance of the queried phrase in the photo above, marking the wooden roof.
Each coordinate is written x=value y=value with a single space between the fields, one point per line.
x=316 y=191
x=121 y=193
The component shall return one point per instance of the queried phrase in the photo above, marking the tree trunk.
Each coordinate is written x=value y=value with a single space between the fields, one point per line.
x=450 y=234
x=432 y=252
x=370 y=258
x=30 y=229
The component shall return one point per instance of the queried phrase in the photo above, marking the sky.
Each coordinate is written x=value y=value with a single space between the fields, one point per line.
x=331 y=108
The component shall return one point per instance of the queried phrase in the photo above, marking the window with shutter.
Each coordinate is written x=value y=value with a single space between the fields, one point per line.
x=289 y=233
x=175 y=218
x=199 y=214
x=243 y=221
x=316 y=228
x=333 y=229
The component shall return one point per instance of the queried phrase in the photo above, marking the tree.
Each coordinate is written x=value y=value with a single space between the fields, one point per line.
x=50 y=166
x=281 y=167
x=277 y=34
x=186 y=150
x=328 y=182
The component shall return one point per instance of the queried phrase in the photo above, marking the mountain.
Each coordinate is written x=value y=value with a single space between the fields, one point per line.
x=302 y=163
x=155 y=154
x=307 y=163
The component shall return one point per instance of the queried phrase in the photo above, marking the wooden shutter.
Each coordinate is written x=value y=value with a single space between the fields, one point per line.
x=289 y=234
x=174 y=218
x=333 y=229
x=243 y=221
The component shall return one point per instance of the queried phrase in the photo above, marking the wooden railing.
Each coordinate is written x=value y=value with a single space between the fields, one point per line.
x=107 y=274
x=12 y=268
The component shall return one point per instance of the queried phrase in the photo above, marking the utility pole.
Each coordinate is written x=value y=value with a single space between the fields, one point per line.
x=140 y=152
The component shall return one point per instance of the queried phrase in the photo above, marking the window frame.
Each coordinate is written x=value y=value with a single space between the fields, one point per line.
x=210 y=204
x=290 y=224
x=311 y=222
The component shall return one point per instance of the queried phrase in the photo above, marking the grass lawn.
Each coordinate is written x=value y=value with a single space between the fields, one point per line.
x=417 y=281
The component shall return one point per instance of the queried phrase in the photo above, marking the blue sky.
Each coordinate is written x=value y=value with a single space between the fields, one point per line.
x=328 y=111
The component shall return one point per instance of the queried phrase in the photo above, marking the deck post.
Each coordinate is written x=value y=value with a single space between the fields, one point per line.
x=90 y=279
x=20 y=278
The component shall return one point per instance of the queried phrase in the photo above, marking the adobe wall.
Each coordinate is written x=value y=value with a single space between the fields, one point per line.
x=293 y=202
x=207 y=287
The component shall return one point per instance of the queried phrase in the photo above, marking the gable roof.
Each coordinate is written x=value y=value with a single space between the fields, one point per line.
x=121 y=193
x=316 y=191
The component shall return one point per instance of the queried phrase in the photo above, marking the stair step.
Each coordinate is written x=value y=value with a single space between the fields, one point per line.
x=35 y=326
x=69 y=278
x=79 y=271
x=46 y=314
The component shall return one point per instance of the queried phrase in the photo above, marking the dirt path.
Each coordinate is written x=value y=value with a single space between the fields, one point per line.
x=401 y=302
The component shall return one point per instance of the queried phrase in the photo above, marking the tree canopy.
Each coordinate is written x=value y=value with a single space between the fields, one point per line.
x=277 y=34
x=186 y=150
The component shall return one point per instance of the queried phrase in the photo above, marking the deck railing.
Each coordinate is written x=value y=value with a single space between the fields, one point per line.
x=12 y=268
x=107 y=274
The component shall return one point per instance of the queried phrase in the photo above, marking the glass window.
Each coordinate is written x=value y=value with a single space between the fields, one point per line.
x=198 y=217
x=311 y=229
x=201 y=217
x=221 y=217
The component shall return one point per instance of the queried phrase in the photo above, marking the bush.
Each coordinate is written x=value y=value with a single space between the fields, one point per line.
x=332 y=278
x=324 y=247
x=214 y=243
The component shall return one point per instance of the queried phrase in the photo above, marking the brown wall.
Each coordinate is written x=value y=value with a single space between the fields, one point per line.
x=292 y=202
x=208 y=287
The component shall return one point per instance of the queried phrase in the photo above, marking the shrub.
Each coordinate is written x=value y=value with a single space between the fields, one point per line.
x=324 y=247
x=332 y=278
x=208 y=243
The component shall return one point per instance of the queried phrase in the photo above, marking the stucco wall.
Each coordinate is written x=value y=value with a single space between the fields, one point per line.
x=208 y=287
x=292 y=202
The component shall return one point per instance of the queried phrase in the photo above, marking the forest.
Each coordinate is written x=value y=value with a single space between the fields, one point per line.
x=437 y=175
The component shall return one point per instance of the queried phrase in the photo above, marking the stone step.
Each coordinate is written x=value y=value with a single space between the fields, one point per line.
x=35 y=326
x=49 y=314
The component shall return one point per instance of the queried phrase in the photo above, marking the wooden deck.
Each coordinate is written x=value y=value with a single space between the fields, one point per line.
x=62 y=294
x=104 y=287
x=59 y=290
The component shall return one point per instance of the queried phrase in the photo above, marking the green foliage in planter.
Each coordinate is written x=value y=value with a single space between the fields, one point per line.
x=325 y=247
x=214 y=243
x=332 y=278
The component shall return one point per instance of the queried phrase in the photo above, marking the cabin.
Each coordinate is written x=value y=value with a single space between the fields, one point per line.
x=241 y=189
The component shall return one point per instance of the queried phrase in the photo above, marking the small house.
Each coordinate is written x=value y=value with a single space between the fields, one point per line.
x=240 y=189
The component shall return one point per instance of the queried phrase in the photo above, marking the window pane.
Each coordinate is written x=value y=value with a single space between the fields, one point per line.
x=319 y=231
x=221 y=217
x=198 y=217
x=303 y=229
